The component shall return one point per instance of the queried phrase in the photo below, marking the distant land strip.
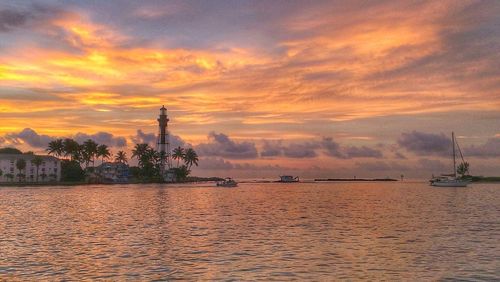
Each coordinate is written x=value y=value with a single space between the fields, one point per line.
x=355 y=179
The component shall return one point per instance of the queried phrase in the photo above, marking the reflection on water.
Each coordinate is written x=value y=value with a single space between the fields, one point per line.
x=303 y=231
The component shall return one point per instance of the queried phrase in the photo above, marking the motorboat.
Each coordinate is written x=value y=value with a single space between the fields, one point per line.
x=288 y=179
x=227 y=182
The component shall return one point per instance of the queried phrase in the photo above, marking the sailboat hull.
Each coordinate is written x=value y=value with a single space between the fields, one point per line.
x=450 y=183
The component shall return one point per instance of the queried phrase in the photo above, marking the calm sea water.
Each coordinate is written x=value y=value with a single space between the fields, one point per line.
x=306 y=231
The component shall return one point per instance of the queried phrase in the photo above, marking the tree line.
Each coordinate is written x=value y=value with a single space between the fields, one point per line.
x=149 y=162
x=78 y=159
x=87 y=152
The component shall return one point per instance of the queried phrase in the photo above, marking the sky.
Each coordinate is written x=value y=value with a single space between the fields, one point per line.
x=260 y=88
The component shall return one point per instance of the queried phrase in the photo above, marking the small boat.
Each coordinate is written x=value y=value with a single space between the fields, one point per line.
x=288 y=179
x=228 y=182
x=451 y=180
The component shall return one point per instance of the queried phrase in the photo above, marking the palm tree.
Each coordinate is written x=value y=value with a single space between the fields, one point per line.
x=37 y=161
x=139 y=150
x=179 y=154
x=103 y=151
x=90 y=150
x=84 y=156
x=463 y=169
x=121 y=157
x=56 y=148
x=71 y=148
x=20 y=165
x=191 y=158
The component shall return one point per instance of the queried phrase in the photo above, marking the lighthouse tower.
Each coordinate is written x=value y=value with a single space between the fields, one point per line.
x=163 y=141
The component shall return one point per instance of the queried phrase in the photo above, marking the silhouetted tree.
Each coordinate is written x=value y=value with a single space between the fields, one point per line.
x=37 y=162
x=179 y=154
x=148 y=160
x=20 y=165
x=71 y=171
x=181 y=172
x=90 y=150
x=463 y=169
x=191 y=158
x=103 y=152
x=121 y=157
x=71 y=149
x=56 y=148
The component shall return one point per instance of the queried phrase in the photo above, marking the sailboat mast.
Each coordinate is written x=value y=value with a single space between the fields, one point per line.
x=454 y=162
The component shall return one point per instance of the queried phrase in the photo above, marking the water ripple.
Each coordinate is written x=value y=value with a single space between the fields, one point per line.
x=306 y=231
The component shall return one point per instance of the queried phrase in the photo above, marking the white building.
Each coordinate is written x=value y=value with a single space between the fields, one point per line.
x=49 y=170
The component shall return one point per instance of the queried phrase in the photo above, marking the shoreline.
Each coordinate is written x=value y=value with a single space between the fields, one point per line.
x=486 y=180
x=354 y=179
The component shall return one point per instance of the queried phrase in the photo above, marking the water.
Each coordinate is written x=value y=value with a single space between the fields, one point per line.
x=306 y=231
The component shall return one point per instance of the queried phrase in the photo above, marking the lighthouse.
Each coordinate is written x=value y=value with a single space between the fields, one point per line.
x=163 y=141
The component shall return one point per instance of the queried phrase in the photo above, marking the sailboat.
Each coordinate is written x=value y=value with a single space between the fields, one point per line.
x=451 y=180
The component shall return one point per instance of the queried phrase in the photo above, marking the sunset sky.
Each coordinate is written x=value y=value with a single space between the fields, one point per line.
x=260 y=88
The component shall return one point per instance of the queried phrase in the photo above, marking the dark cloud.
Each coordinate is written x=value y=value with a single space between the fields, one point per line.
x=331 y=147
x=145 y=138
x=220 y=145
x=151 y=139
x=301 y=150
x=271 y=148
x=435 y=166
x=102 y=138
x=309 y=150
x=10 y=19
x=215 y=163
x=30 y=137
x=361 y=152
x=424 y=144
x=34 y=14
x=176 y=141
x=334 y=149
x=292 y=150
x=490 y=149
x=35 y=140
